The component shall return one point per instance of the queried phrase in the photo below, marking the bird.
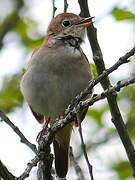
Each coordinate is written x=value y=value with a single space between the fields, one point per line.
x=56 y=73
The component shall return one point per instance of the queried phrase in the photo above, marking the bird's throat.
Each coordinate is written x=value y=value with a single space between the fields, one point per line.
x=71 y=41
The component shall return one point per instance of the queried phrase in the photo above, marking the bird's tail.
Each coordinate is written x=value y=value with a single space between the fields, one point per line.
x=61 y=150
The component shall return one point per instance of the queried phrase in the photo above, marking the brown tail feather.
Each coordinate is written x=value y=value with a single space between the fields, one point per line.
x=61 y=159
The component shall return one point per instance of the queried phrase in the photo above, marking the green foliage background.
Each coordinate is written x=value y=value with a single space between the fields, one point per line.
x=11 y=97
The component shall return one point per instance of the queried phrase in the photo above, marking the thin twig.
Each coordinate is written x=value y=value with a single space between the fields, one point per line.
x=79 y=173
x=92 y=145
x=65 y=5
x=5 y=174
x=30 y=165
x=106 y=93
x=83 y=144
x=54 y=8
x=18 y=132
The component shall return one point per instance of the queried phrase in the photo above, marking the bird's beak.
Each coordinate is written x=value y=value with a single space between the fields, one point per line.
x=85 y=22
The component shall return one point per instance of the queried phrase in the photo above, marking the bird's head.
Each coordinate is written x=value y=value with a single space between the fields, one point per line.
x=68 y=24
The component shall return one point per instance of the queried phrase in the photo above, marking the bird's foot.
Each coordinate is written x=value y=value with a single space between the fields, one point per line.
x=41 y=133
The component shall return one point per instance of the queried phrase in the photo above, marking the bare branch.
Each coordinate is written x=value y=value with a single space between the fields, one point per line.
x=30 y=165
x=54 y=8
x=107 y=92
x=45 y=164
x=5 y=174
x=18 y=132
x=83 y=144
x=92 y=145
x=65 y=5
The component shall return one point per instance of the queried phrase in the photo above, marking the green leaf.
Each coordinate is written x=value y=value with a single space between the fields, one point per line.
x=123 y=169
x=24 y=70
x=10 y=95
x=122 y=14
x=94 y=70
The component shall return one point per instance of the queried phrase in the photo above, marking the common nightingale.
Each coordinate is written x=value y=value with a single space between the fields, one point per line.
x=57 y=72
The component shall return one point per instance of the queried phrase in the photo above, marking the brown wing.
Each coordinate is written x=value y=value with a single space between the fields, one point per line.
x=84 y=56
x=39 y=117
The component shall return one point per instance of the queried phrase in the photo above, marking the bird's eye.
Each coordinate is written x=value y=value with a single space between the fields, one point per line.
x=65 y=23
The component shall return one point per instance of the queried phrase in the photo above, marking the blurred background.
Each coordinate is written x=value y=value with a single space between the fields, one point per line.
x=23 y=25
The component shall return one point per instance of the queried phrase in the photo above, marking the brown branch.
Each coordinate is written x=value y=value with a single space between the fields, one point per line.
x=45 y=164
x=30 y=165
x=115 y=112
x=77 y=168
x=92 y=145
x=106 y=93
x=65 y=5
x=54 y=9
x=82 y=142
x=18 y=132
x=5 y=174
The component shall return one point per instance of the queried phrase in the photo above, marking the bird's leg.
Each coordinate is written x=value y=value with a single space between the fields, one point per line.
x=40 y=134
x=75 y=122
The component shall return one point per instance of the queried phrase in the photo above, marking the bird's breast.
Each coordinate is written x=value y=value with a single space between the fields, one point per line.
x=49 y=86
